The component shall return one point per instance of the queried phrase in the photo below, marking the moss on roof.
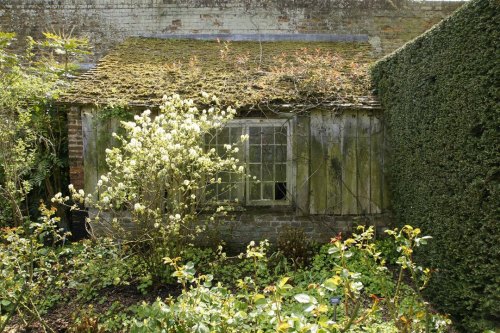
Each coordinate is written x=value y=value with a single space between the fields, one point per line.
x=141 y=70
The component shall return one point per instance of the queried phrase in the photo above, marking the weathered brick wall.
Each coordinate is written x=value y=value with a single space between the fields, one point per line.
x=258 y=224
x=388 y=24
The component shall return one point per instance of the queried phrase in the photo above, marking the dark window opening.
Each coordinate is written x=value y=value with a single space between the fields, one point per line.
x=280 y=191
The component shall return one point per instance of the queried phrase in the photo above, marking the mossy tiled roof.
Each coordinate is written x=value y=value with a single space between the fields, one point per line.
x=141 y=70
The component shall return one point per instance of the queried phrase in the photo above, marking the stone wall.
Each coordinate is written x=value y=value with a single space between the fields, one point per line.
x=267 y=223
x=259 y=223
x=388 y=24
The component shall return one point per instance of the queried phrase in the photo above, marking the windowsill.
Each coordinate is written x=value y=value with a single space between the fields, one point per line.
x=268 y=209
x=284 y=206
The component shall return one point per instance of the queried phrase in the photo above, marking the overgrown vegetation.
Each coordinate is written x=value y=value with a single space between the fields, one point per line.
x=32 y=129
x=156 y=188
x=346 y=288
x=152 y=203
x=260 y=76
x=440 y=93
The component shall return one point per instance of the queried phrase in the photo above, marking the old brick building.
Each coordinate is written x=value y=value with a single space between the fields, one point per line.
x=315 y=131
x=333 y=166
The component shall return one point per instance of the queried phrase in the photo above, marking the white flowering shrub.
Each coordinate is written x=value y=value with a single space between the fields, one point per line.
x=152 y=195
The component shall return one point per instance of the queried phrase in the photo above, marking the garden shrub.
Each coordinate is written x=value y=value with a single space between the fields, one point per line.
x=33 y=140
x=32 y=269
x=158 y=182
x=295 y=245
x=100 y=263
x=284 y=306
x=440 y=93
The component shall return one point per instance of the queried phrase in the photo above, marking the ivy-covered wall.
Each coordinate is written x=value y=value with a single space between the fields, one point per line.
x=441 y=97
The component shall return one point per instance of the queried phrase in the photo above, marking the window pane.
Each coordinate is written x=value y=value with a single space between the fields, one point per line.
x=210 y=191
x=280 y=191
x=223 y=137
x=223 y=192
x=267 y=153
x=209 y=138
x=255 y=171
x=225 y=177
x=267 y=172
x=221 y=151
x=280 y=153
x=254 y=154
x=235 y=134
x=280 y=134
x=254 y=135
x=268 y=191
x=267 y=135
x=255 y=191
x=231 y=182
x=280 y=173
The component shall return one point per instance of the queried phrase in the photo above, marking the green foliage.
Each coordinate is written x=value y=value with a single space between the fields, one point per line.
x=267 y=301
x=38 y=272
x=115 y=111
x=388 y=249
x=64 y=49
x=31 y=269
x=90 y=320
x=290 y=306
x=440 y=93
x=32 y=130
x=97 y=264
x=155 y=190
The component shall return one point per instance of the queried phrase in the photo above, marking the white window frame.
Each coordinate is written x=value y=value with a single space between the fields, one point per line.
x=245 y=125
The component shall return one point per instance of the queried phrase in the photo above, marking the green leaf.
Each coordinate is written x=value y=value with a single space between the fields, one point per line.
x=302 y=298
x=200 y=328
x=259 y=299
x=5 y=302
x=332 y=283
x=282 y=282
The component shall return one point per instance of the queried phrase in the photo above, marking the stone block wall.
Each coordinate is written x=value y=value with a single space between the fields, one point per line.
x=388 y=24
x=259 y=223
x=267 y=223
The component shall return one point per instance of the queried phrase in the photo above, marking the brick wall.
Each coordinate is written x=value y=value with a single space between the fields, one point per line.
x=257 y=224
x=388 y=24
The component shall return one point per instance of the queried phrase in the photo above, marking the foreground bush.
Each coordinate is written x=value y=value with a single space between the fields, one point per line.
x=38 y=271
x=346 y=288
x=158 y=178
x=336 y=304
x=32 y=129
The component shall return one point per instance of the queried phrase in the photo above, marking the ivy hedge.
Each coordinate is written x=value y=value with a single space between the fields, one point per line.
x=441 y=96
